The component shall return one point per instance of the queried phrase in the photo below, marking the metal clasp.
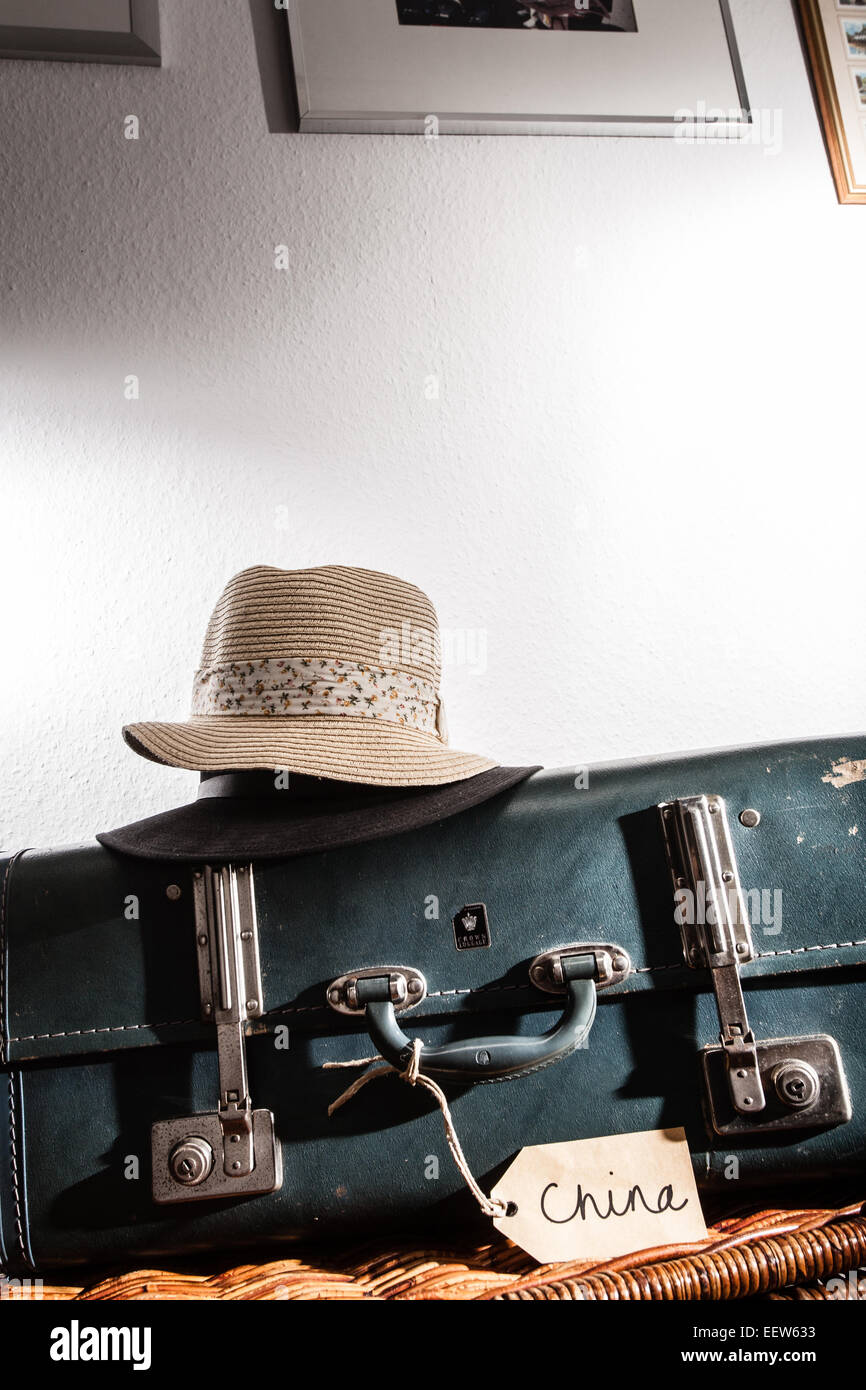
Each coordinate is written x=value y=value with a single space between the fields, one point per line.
x=714 y=927
x=233 y=1150
x=753 y=1086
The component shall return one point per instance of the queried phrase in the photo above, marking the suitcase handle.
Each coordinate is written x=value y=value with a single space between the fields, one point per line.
x=486 y=1059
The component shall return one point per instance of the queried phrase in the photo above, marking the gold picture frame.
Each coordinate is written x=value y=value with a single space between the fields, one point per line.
x=840 y=84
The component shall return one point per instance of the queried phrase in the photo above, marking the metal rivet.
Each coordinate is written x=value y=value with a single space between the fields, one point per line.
x=742 y=948
x=173 y=892
x=208 y=1008
x=334 y=996
x=747 y=1100
x=741 y=1074
x=620 y=963
x=750 y=818
x=252 y=1004
x=236 y=1165
x=728 y=876
x=246 y=936
x=414 y=986
x=713 y=807
x=202 y=941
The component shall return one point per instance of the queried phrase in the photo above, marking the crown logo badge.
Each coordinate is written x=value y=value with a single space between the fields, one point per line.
x=471 y=928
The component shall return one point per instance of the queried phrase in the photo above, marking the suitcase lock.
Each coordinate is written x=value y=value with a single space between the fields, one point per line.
x=752 y=1086
x=231 y=1151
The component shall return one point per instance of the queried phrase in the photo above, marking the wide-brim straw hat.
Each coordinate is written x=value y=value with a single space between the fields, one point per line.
x=329 y=672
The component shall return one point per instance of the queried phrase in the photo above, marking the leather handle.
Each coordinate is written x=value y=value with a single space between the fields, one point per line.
x=486 y=1059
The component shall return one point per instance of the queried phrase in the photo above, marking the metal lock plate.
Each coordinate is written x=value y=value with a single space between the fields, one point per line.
x=169 y=1185
x=803 y=1082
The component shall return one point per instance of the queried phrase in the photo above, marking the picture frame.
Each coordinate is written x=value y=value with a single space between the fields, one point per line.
x=674 y=69
x=835 y=39
x=81 y=31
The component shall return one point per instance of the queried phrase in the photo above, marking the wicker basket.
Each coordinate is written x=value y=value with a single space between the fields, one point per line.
x=775 y=1253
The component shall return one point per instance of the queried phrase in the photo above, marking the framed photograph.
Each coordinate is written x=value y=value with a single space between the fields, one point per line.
x=835 y=33
x=854 y=31
x=511 y=67
x=81 y=31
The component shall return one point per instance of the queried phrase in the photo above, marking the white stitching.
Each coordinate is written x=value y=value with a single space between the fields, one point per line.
x=798 y=950
x=296 y=1009
x=115 y=1028
x=13 y=1155
x=790 y=951
x=3 y=1057
x=432 y=994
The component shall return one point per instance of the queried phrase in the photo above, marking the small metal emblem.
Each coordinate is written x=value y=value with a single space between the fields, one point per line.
x=471 y=928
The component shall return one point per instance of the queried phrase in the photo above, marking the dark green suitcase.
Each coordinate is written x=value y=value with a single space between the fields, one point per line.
x=165 y=1028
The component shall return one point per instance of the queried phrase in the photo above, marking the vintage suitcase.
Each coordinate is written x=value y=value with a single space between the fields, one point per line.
x=165 y=1029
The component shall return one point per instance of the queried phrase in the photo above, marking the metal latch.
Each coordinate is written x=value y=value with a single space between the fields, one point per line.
x=789 y=1083
x=717 y=938
x=232 y=1150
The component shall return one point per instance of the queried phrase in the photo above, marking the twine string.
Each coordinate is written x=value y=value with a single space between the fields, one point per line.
x=412 y=1073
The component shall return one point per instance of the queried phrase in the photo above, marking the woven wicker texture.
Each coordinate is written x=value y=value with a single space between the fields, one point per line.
x=759 y=1254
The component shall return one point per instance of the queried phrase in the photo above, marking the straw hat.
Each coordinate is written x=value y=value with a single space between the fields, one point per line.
x=329 y=672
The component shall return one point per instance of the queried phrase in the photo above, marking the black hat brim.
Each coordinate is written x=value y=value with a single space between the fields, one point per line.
x=238 y=827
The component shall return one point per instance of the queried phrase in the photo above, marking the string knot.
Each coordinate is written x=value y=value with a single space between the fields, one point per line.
x=413 y=1066
x=412 y=1073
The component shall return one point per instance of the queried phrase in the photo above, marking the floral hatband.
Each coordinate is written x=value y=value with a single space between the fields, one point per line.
x=316 y=686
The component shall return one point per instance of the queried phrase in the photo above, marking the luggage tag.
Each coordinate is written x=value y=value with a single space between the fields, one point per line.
x=596 y=1199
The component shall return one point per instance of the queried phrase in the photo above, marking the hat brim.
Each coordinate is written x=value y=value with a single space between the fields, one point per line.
x=347 y=748
x=222 y=828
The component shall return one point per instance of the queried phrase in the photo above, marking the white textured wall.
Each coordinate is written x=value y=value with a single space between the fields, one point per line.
x=643 y=477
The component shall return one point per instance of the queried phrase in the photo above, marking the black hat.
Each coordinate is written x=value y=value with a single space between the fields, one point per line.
x=249 y=815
